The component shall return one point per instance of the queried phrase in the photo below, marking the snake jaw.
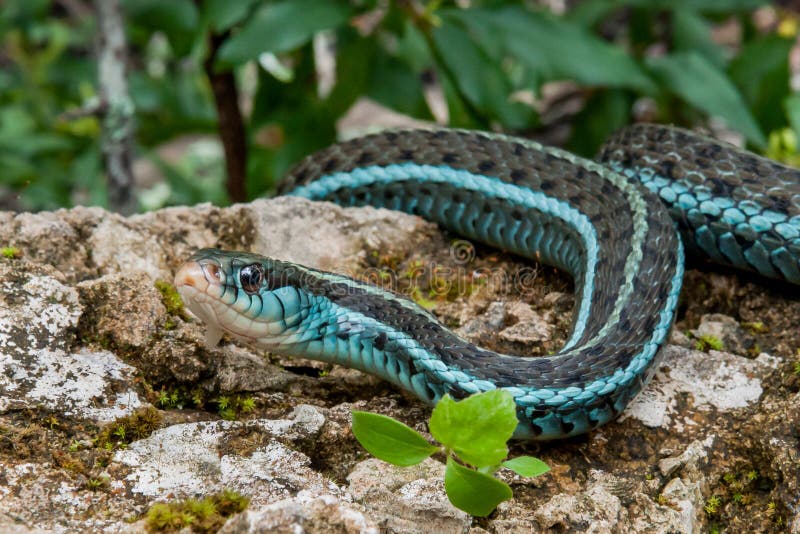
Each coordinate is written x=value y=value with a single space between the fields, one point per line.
x=195 y=281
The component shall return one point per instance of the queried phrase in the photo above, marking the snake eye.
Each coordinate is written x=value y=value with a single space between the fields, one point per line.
x=251 y=277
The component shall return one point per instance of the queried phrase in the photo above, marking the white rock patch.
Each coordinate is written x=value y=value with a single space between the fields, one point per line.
x=715 y=380
x=77 y=384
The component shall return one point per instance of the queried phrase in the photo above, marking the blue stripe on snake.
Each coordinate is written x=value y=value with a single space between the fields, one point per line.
x=594 y=221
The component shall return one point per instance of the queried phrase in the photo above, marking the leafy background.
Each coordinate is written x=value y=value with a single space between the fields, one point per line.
x=566 y=76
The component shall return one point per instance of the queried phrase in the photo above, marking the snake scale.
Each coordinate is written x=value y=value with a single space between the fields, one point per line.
x=609 y=224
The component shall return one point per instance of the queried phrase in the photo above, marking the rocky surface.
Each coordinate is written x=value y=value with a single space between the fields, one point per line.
x=110 y=402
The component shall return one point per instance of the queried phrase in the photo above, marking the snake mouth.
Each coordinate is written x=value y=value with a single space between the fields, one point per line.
x=201 y=284
x=198 y=275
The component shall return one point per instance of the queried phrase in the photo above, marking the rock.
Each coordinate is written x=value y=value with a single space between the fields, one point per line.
x=727 y=330
x=38 y=318
x=514 y=322
x=249 y=457
x=328 y=232
x=409 y=499
x=86 y=337
x=123 y=310
x=607 y=505
x=240 y=370
x=717 y=380
x=527 y=326
x=323 y=513
x=84 y=385
x=38 y=311
x=687 y=492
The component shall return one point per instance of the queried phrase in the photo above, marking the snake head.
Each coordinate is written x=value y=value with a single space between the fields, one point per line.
x=251 y=297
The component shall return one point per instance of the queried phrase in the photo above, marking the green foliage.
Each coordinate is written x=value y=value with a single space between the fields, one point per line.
x=10 y=253
x=200 y=515
x=490 y=60
x=171 y=298
x=476 y=428
x=708 y=342
x=473 y=431
x=233 y=407
x=390 y=440
x=120 y=432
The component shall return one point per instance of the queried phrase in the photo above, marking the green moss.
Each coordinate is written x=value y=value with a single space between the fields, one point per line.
x=200 y=515
x=124 y=430
x=10 y=253
x=712 y=505
x=233 y=407
x=755 y=327
x=706 y=343
x=97 y=484
x=171 y=298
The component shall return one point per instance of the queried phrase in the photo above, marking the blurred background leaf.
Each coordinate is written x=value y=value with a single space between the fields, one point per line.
x=305 y=71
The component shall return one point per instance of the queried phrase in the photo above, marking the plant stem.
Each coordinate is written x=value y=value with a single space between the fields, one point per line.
x=231 y=123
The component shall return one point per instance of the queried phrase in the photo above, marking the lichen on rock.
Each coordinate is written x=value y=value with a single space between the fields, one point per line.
x=89 y=339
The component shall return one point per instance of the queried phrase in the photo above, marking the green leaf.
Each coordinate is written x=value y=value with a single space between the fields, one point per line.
x=605 y=112
x=476 y=428
x=527 y=466
x=690 y=31
x=792 y=105
x=222 y=14
x=557 y=48
x=478 y=77
x=178 y=19
x=390 y=440
x=700 y=83
x=761 y=71
x=475 y=493
x=282 y=26
x=591 y=12
x=175 y=15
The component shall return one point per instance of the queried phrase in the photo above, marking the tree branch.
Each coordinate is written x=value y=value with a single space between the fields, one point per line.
x=231 y=123
x=116 y=106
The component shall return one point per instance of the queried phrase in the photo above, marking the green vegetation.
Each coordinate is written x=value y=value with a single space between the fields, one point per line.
x=171 y=298
x=712 y=505
x=10 y=253
x=200 y=515
x=492 y=63
x=233 y=407
x=229 y=407
x=121 y=432
x=708 y=342
x=755 y=327
x=473 y=435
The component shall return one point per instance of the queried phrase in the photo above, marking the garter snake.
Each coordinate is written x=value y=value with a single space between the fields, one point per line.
x=611 y=224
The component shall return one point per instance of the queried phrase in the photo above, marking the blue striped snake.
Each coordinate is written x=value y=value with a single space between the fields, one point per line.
x=610 y=224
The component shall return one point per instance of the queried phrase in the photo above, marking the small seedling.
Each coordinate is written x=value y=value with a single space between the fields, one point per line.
x=97 y=484
x=755 y=327
x=706 y=343
x=10 y=253
x=473 y=435
x=712 y=505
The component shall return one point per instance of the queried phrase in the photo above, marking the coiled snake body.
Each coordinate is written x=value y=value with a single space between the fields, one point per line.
x=594 y=220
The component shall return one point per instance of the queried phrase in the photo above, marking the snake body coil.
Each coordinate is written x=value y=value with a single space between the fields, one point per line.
x=593 y=220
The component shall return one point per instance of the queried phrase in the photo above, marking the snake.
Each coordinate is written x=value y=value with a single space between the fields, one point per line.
x=619 y=225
